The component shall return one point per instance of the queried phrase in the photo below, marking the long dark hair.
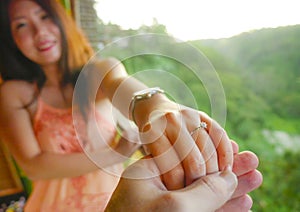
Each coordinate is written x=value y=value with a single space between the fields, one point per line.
x=76 y=50
x=13 y=64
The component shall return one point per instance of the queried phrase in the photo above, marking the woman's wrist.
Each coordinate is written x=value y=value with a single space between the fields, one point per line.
x=142 y=95
x=144 y=107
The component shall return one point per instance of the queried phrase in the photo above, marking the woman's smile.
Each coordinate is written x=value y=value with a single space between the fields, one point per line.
x=46 y=45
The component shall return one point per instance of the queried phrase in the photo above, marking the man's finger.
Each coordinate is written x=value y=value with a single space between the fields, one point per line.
x=244 y=162
x=247 y=183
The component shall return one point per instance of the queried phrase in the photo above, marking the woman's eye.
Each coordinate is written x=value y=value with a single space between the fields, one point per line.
x=44 y=17
x=20 y=25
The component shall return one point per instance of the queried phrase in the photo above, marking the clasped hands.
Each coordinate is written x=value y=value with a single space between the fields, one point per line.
x=194 y=166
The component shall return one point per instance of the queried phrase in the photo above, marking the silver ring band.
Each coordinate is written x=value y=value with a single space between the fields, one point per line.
x=202 y=125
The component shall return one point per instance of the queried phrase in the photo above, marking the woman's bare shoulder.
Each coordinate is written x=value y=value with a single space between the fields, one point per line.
x=16 y=93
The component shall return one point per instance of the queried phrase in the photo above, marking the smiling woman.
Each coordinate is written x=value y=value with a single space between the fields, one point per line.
x=37 y=130
x=27 y=22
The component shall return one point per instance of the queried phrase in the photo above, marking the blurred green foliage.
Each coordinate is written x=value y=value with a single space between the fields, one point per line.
x=260 y=73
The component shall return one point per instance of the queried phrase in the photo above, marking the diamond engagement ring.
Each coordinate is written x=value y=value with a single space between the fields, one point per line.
x=202 y=125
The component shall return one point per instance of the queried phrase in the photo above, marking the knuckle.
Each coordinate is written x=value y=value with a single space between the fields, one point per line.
x=211 y=155
x=195 y=163
x=219 y=131
x=171 y=118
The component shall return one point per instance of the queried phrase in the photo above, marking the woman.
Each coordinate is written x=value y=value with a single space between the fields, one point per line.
x=36 y=98
x=41 y=50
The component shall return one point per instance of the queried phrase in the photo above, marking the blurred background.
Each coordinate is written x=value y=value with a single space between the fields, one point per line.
x=254 y=48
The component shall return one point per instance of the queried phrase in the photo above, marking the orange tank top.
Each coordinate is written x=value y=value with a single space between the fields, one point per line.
x=58 y=130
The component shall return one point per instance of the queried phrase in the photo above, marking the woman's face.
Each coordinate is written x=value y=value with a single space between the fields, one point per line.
x=34 y=32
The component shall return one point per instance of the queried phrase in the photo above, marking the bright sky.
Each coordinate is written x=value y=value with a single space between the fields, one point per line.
x=199 y=19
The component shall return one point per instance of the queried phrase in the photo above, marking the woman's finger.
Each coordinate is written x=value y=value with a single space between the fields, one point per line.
x=168 y=163
x=221 y=141
x=163 y=153
x=202 y=140
x=208 y=151
x=189 y=154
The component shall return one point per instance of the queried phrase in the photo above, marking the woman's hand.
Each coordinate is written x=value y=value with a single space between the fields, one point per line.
x=186 y=144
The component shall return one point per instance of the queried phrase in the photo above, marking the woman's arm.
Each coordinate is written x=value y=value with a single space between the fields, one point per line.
x=17 y=133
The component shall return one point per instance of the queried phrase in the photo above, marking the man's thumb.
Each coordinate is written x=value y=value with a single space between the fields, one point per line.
x=214 y=190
